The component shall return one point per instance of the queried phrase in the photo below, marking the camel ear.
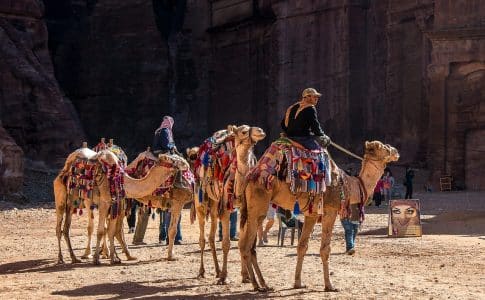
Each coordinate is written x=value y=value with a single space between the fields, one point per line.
x=231 y=128
x=366 y=144
x=187 y=150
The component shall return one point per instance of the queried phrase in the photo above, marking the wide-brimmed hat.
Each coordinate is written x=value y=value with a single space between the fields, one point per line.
x=310 y=92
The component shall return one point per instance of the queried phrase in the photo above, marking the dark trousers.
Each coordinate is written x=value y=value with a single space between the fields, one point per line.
x=165 y=217
x=132 y=217
x=377 y=198
x=409 y=191
x=232 y=225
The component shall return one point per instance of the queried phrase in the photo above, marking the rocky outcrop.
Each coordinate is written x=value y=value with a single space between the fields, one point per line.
x=33 y=110
x=127 y=64
x=11 y=164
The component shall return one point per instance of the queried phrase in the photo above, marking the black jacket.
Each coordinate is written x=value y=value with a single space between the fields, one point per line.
x=162 y=141
x=305 y=123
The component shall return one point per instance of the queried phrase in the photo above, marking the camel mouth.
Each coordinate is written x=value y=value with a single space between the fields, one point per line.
x=257 y=134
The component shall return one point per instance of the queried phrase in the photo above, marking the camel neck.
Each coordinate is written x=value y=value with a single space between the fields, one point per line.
x=370 y=173
x=137 y=188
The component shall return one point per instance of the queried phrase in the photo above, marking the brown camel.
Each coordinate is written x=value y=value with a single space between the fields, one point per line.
x=216 y=195
x=257 y=198
x=166 y=166
x=174 y=198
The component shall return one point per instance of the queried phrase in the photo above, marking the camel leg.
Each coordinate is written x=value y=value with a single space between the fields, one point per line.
x=87 y=252
x=254 y=262
x=60 y=198
x=303 y=247
x=212 y=236
x=120 y=236
x=226 y=245
x=114 y=259
x=247 y=241
x=172 y=230
x=201 y=211
x=103 y=212
x=65 y=231
x=328 y=220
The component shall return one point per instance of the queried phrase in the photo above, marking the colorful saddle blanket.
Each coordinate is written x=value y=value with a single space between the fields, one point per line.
x=216 y=162
x=304 y=170
x=185 y=179
x=82 y=179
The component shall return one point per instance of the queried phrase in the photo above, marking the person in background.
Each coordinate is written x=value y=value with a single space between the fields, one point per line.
x=232 y=227
x=165 y=216
x=131 y=218
x=408 y=182
x=263 y=234
x=378 y=192
x=388 y=184
x=350 y=219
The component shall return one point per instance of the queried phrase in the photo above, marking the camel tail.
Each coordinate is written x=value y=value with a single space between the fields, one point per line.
x=193 y=213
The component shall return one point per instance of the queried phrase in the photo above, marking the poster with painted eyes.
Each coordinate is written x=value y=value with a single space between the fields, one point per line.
x=404 y=218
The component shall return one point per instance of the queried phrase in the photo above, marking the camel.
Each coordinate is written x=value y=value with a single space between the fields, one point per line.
x=166 y=166
x=175 y=198
x=257 y=198
x=215 y=198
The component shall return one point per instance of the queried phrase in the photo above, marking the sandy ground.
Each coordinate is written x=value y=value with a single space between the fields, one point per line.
x=448 y=262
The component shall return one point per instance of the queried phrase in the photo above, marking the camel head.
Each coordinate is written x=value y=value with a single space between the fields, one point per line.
x=376 y=150
x=173 y=160
x=192 y=153
x=246 y=135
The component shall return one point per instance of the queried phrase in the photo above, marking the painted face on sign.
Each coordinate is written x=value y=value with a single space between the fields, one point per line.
x=404 y=215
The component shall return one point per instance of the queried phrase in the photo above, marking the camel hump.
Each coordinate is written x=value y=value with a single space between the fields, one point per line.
x=85 y=153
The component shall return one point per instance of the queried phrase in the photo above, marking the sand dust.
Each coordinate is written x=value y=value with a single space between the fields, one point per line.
x=448 y=262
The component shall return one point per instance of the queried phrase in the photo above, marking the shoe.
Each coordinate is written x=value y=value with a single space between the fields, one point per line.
x=234 y=239
x=177 y=243
x=351 y=251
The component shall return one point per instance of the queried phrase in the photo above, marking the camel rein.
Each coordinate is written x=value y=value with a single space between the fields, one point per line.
x=345 y=151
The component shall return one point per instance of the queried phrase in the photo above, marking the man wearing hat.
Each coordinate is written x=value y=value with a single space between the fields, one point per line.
x=301 y=122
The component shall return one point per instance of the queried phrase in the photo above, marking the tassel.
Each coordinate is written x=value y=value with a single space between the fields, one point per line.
x=149 y=210
x=200 y=195
x=311 y=185
x=150 y=203
x=296 y=209
x=153 y=216
x=80 y=211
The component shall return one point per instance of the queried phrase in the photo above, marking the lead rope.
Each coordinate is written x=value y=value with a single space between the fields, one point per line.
x=345 y=151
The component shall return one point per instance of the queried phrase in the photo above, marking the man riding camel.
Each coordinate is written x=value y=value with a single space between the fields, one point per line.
x=301 y=122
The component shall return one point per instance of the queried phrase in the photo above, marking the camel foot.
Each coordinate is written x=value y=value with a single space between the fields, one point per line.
x=60 y=261
x=96 y=262
x=263 y=289
x=75 y=260
x=299 y=286
x=221 y=281
x=87 y=256
x=116 y=261
x=201 y=275
x=331 y=289
x=172 y=258
x=246 y=280
x=129 y=257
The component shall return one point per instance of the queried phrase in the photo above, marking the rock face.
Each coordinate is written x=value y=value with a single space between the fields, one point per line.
x=33 y=110
x=127 y=64
x=11 y=164
x=409 y=73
